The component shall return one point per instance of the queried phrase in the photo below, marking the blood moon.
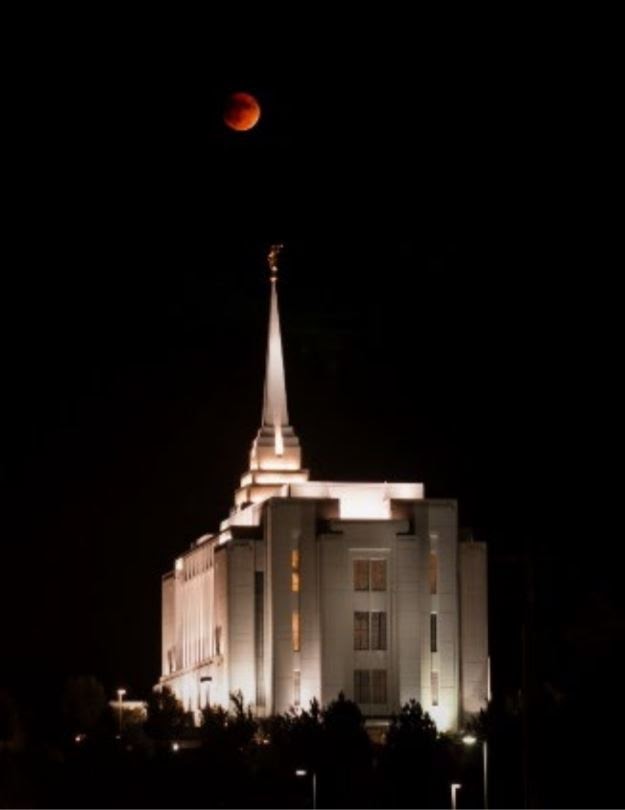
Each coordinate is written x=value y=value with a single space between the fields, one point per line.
x=242 y=111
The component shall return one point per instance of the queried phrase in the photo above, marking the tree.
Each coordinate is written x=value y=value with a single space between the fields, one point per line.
x=10 y=731
x=306 y=736
x=481 y=723
x=167 y=718
x=241 y=724
x=415 y=760
x=84 y=703
x=213 y=726
x=412 y=729
x=346 y=755
x=342 y=717
x=234 y=730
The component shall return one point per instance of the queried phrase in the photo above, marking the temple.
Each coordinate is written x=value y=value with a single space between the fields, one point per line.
x=310 y=588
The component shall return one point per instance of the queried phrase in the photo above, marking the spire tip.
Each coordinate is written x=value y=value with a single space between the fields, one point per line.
x=272 y=260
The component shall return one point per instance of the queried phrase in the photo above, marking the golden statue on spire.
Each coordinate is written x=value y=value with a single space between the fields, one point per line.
x=272 y=260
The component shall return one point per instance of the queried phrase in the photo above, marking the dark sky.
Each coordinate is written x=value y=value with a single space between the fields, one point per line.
x=437 y=289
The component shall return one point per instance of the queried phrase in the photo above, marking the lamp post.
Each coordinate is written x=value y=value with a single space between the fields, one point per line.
x=120 y=701
x=207 y=679
x=302 y=772
x=470 y=739
x=455 y=787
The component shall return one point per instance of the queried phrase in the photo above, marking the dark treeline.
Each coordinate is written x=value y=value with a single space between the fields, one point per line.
x=80 y=752
x=77 y=757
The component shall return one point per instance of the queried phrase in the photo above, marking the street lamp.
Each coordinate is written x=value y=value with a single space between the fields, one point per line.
x=302 y=772
x=120 y=701
x=207 y=679
x=455 y=787
x=470 y=739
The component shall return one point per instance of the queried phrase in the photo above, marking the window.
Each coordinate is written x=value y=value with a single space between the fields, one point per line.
x=217 y=640
x=259 y=634
x=370 y=630
x=295 y=630
x=378 y=575
x=378 y=631
x=433 y=632
x=295 y=571
x=361 y=575
x=378 y=686
x=433 y=572
x=369 y=575
x=434 y=687
x=362 y=691
x=297 y=681
x=361 y=630
x=370 y=686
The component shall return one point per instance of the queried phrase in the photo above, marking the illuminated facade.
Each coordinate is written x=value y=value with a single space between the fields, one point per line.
x=310 y=588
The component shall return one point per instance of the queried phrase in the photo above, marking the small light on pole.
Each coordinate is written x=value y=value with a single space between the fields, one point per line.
x=120 y=699
x=207 y=679
x=455 y=787
x=470 y=739
x=302 y=772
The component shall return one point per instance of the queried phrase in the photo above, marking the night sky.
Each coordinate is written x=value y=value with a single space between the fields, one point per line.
x=438 y=291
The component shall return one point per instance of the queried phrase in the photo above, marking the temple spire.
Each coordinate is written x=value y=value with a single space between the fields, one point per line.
x=276 y=455
x=275 y=414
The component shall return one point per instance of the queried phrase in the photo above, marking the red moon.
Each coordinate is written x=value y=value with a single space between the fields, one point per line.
x=242 y=111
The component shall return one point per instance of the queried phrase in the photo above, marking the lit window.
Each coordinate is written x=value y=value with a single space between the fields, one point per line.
x=434 y=685
x=433 y=572
x=361 y=630
x=433 y=633
x=378 y=686
x=378 y=575
x=378 y=630
x=295 y=630
x=362 y=691
x=295 y=570
x=361 y=575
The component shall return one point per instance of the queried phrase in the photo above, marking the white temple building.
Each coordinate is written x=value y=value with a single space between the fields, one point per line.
x=310 y=588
